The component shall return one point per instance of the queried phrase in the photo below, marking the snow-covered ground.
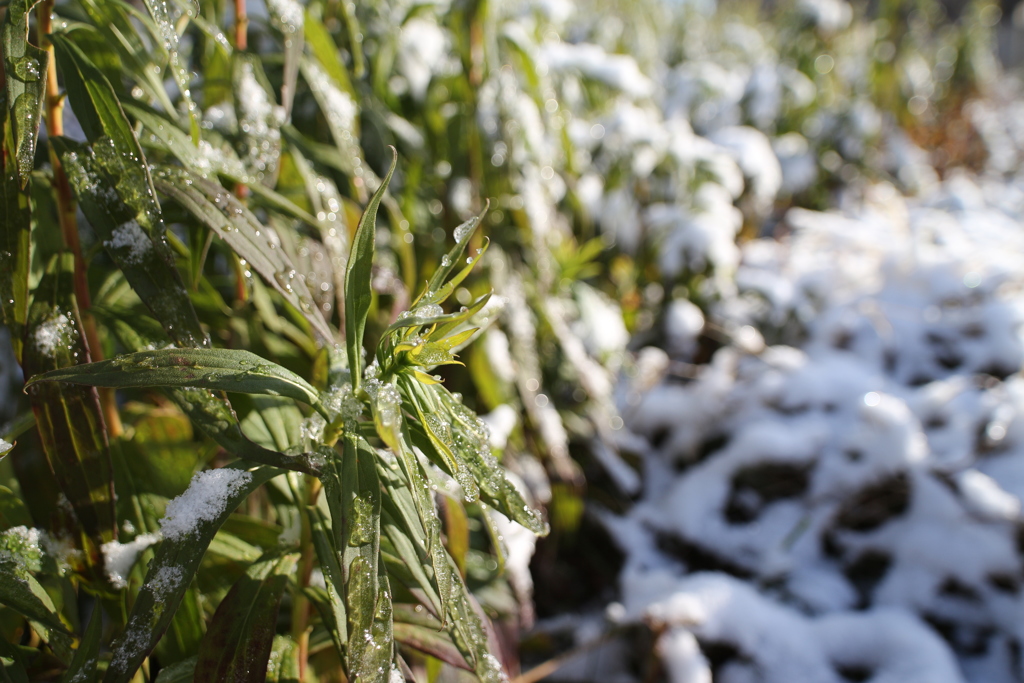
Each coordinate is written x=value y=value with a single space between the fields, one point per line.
x=848 y=498
x=836 y=495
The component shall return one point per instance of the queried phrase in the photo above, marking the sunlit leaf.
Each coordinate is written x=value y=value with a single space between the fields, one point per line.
x=25 y=71
x=223 y=369
x=357 y=278
x=167 y=579
x=160 y=10
x=217 y=208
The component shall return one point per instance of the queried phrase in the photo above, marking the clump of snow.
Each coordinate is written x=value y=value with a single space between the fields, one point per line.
x=618 y=71
x=130 y=237
x=422 y=53
x=51 y=333
x=204 y=500
x=118 y=558
x=5 y=446
x=21 y=545
x=289 y=12
x=259 y=118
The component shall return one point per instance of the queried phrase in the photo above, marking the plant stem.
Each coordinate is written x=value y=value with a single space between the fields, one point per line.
x=300 y=605
x=66 y=212
x=241 y=25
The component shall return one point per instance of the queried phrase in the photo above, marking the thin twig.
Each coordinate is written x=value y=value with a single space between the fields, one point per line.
x=542 y=671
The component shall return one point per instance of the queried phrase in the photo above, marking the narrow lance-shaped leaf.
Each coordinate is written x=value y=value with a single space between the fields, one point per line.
x=144 y=257
x=326 y=52
x=353 y=494
x=160 y=10
x=15 y=220
x=387 y=416
x=83 y=665
x=21 y=592
x=288 y=17
x=223 y=369
x=421 y=631
x=221 y=211
x=177 y=559
x=212 y=414
x=68 y=418
x=25 y=71
x=401 y=523
x=357 y=278
x=342 y=114
x=495 y=488
x=462 y=235
x=238 y=642
x=331 y=602
x=206 y=160
x=114 y=187
x=114 y=21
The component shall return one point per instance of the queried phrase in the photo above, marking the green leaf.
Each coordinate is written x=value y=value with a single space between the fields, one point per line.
x=222 y=212
x=223 y=369
x=201 y=159
x=357 y=278
x=462 y=234
x=288 y=18
x=114 y=21
x=238 y=643
x=179 y=672
x=341 y=112
x=421 y=631
x=439 y=432
x=415 y=480
x=443 y=323
x=83 y=665
x=353 y=493
x=113 y=184
x=284 y=661
x=25 y=70
x=20 y=591
x=326 y=52
x=495 y=488
x=133 y=239
x=68 y=418
x=213 y=415
x=160 y=11
x=170 y=573
x=331 y=601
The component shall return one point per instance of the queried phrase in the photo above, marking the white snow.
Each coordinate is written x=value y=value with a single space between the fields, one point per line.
x=118 y=558
x=618 y=71
x=132 y=237
x=48 y=335
x=203 y=501
x=289 y=11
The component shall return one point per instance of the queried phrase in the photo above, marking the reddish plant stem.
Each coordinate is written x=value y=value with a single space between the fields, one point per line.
x=54 y=104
